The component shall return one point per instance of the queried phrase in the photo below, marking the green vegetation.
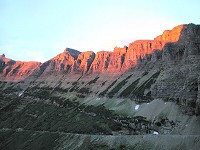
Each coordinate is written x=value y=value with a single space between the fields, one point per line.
x=60 y=115
x=75 y=83
x=16 y=69
x=10 y=90
x=129 y=89
x=84 y=90
x=80 y=95
x=93 y=81
x=63 y=115
x=58 y=89
x=73 y=89
x=42 y=92
x=139 y=91
x=134 y=90
x=145 y=73
x=118 y=87
x=74 y=86
x=104 y=146
x=106 y=90
x=29 y=140
x=103 y=83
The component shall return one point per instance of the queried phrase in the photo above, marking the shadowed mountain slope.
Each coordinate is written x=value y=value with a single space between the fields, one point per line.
x=80 y=99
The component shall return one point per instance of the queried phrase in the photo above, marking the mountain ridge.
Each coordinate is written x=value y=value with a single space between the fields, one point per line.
x=118 y=61
x=148 y=88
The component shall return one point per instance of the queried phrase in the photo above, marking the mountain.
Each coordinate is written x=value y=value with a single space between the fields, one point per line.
x=149 y=87
x=16 y=70
x=121 y=59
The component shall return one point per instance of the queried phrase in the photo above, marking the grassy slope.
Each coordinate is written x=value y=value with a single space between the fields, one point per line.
x=35 y=140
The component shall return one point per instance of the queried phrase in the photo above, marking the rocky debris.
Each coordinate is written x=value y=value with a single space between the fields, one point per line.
x=156 y=55
x=169 y=52
x=179 y=80
x=197 y=109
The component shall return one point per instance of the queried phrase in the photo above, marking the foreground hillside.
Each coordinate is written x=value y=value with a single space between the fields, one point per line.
x=145 y=95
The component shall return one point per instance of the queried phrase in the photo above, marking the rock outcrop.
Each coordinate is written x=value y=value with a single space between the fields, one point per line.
x=150 y=87
x=171 y=35
x=100 y=63
x=138 y=50
x=83 y=62
x=123 y=59
x=117 y=60
x=181 y=41
x=16 y=70
x=166 y=67
x=62 y=63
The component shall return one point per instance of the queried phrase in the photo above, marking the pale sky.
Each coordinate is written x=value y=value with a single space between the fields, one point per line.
x=37 y=30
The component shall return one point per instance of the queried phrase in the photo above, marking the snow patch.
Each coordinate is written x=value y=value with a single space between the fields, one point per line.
x=155 y=133
x=20 y=94
x=137 y=107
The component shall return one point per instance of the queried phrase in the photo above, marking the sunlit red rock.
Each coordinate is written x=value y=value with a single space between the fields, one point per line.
x=171 y=45
x=101 y=61
x=116 y=60
x=84 y=61
x=16 y=70
x=63 y=62
x=171 y=35
x=139 y=49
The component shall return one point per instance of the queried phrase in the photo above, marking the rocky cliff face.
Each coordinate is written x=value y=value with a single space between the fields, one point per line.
x=101 y=61
x=16 y=70
x=84 y=61
x=62 y=63
x=171 y=45
x=166 y=67
x=149 y=87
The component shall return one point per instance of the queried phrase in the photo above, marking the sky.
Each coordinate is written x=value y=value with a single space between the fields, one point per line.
x=37 y=30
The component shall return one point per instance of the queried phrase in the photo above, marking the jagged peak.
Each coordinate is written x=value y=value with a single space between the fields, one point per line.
x=74 y=53
x=2 y=56
x=7 y=60
x=67 y=54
